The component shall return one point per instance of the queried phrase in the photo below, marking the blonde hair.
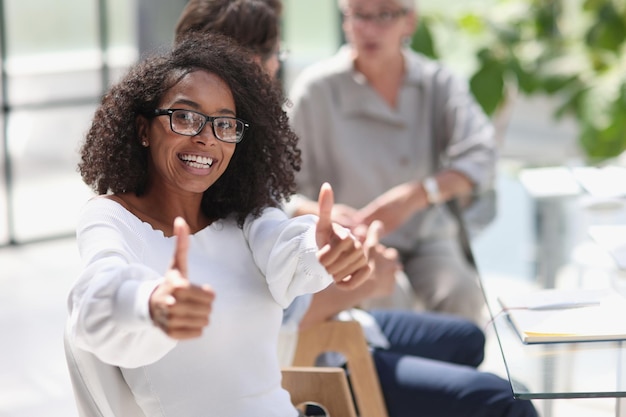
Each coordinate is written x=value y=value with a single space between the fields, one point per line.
x=406 y=4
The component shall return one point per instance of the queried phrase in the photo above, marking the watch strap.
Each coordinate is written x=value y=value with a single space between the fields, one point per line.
x=433 y=196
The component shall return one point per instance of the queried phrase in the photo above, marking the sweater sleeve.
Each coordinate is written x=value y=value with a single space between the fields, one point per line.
x=108 y=304
x=469 y=134
x=285 y=251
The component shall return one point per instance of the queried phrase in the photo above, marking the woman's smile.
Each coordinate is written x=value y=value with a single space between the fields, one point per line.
x=196 y=161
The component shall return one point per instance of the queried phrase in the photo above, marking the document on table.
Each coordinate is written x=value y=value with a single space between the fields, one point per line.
x=550 y=182
x=559 y=315
x=608 y=181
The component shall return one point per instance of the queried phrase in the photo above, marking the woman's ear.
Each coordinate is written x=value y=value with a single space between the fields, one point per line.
x=141 y=124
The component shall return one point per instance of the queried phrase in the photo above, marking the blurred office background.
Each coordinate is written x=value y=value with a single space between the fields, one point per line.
x=59 y=57
x=56 y=60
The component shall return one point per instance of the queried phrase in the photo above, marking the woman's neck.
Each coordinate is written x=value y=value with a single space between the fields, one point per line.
x=384 y=76
x=160 y=211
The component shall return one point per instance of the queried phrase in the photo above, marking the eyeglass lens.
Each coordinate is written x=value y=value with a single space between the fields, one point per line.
x=381 y=18
x=282 y=54
x=190 y=123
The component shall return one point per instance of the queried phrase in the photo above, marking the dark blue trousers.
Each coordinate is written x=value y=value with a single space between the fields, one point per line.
x=430 y=369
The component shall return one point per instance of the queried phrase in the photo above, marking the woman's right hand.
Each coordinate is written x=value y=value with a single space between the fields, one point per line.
x=339 y=251
x=178 y=307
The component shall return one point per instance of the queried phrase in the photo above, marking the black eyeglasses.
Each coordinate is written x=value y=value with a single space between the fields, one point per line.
x=190 y=123
x=384 y=18
x=280 y=54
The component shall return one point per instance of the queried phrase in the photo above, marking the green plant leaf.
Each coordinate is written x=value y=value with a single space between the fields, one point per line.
x=591 y=5
x=487 y=85
x=601 y=144
x=422 y=40
x=527 y=81
x=555 y=83
x=546 y=18
x=605 y=138
x=609 y=30
x=572 y=104
x=471 y=23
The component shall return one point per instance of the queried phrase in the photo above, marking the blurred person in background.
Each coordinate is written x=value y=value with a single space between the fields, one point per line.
x=254 y=24
x=398 y=136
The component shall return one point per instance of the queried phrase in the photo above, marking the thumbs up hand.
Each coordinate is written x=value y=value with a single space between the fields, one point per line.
x=340 y=252
x=179 y=308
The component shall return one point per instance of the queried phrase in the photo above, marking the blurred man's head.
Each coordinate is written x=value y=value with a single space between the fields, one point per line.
x=254 y=24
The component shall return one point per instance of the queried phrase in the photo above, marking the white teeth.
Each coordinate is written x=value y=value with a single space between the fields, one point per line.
x=198 y=159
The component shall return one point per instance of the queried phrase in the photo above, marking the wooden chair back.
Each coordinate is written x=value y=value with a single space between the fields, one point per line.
x=347 y=338
x=327 y=387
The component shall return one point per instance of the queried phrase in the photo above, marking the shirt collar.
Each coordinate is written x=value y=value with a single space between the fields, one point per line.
x=413 y=68
x=360 y=101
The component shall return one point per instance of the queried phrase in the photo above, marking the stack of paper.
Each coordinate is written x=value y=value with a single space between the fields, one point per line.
x=556 y=315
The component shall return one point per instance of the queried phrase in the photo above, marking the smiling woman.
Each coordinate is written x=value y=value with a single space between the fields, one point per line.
x=114 y=159
x=183 y=139
x=179 y=247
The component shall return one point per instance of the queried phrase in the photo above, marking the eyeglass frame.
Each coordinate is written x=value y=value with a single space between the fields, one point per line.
x=209 y=119
x=377 y=18
x=281 y=55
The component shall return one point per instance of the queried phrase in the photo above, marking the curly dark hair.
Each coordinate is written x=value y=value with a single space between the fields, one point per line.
x=262 y=169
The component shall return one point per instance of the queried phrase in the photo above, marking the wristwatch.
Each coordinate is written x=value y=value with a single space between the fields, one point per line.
x=433 y=196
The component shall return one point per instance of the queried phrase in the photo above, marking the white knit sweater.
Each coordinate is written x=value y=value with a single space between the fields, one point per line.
x=232 y=369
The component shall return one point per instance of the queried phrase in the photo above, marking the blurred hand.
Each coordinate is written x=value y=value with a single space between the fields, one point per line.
x=344 y=215
x=384 y=262
x=394 y=207
x=178 y=307
x=339 y=251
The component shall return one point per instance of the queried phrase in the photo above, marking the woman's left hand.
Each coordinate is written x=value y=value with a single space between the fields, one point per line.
x=341 y=253
x=178 y=307
x=394 y=207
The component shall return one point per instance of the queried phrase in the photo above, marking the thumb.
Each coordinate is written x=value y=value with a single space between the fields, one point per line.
x=324 y=224
x=373 y=234
x=181 y=231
